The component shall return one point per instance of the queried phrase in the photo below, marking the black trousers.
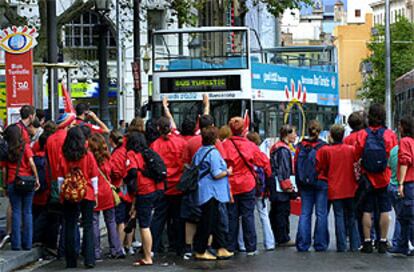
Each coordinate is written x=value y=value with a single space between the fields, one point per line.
x=279 y=220
x=209 y=225
x=45 y=226
x=168 y=211
x=71 y=215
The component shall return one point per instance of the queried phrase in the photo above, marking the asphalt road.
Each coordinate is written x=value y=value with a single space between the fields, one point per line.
x=282 y=259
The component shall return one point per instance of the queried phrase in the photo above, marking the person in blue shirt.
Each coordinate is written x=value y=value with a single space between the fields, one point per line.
x=213 y=189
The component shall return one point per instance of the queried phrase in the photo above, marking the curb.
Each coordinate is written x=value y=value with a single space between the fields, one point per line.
x=11 y=260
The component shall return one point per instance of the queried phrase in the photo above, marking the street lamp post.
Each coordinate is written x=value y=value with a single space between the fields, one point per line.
x=388 y=65
x=136 y=65
x=102 y=7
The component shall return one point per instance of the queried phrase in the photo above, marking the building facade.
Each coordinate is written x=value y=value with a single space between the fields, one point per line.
x=404 y=8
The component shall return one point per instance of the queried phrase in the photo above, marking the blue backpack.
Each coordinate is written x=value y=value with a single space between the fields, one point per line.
x=261 y=175
x=40 y=163
x=306 y=164
x=374 y=156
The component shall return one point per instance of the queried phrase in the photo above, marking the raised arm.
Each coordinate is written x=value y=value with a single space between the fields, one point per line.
x=206 y=104
x=168 y=113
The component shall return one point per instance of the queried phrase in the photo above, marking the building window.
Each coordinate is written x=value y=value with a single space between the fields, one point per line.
x=155 y=19
x=82 y=32
x=357 y=13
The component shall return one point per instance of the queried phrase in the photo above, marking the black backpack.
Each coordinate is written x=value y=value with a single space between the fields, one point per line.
x=374 y=156
x=40 y=162
x=190 y=177
x=155 y=166
x=4 y=149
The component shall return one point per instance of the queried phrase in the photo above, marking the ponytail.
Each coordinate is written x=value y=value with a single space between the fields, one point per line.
x=164 y=127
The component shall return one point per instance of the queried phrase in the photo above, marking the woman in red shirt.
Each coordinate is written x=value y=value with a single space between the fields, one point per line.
x=98 y=147
x=21 y=202
x=405 y=187
x=118 y=173
x=242 y=156
x=170 y=147
x=76 y=156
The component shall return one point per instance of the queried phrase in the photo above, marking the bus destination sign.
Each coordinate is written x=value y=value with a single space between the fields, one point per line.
x=200 y=84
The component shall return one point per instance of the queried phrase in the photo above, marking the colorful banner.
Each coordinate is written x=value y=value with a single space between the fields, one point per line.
x=18 y=43
x=19 y=79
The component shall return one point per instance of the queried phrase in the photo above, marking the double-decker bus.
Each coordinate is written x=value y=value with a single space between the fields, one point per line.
x=219 y=62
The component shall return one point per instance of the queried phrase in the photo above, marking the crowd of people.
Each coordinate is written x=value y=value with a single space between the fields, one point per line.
x=194 y=189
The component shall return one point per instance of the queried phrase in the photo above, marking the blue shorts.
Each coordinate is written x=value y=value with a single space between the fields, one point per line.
x=122 y=212
x=144 y=205
x=377 y=199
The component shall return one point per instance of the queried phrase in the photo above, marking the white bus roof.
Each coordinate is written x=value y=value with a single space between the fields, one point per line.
x=201 y=29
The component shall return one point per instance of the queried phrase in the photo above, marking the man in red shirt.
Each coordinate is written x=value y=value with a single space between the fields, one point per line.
x=342 y=186
x=83 y=113
x=379 y=181
x=27 y=115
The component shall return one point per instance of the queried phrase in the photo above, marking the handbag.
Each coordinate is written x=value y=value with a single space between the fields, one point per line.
x=259 y=182
x=23 y=184
x=117 y=199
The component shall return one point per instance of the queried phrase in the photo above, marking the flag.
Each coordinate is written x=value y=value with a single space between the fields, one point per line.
x=67 y=101
x=246 y=123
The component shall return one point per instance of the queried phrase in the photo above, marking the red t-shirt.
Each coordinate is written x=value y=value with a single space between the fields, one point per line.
x=25 y=132
x=88 y=167
x=54 y=151
x=94 y=128
x=171 y=151
x=406 y=157
x=105 y=198
x=25 y=168
x=194 y=144
x=378 y=180
x=119 y=170
x=351 y=139
x=145 y=185
x=242 y=180
x=337 y=163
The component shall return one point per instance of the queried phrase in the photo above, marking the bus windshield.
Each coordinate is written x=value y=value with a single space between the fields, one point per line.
x=203 y=50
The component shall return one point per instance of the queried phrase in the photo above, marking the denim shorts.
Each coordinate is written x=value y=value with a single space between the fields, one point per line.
x=377 y=199
x=144 y=206
x=122 y=212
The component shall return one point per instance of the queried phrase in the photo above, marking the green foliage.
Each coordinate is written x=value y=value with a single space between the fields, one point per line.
x=183 y=10
x=402 y=58
x=277 y=7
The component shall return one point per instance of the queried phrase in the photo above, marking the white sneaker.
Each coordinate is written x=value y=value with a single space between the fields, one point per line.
x=136 y=244
x=131 y=251
x=123 y=251
x=252 y=253
x=4 y=241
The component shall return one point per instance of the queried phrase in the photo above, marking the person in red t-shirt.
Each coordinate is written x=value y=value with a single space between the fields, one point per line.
x=170 y=148
x=43 y=221
x=76 y=156
x=378 y=197
x=19 y=163
x=83 y=113
x=118 y=173
x=27 y=115
x=342 y=186
x=242 y=155
x=146 y=194
x=97 y=145
x=356 y=123
x=405 y=177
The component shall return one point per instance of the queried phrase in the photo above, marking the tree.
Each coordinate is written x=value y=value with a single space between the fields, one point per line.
x=277 y=7
x=402 y=58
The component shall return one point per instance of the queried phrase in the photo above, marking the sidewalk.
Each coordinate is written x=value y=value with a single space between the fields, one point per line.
x=12 y=260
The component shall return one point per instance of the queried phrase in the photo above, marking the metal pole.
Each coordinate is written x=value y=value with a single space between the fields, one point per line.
x=388 y=105
x=103 y=71
x=53 y=95
x=137 y=58
x=119 y=98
